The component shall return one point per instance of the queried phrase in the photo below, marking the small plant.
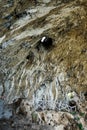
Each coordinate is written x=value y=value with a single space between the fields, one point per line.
x=77 y=118
x=73 y=113
x=80 y=126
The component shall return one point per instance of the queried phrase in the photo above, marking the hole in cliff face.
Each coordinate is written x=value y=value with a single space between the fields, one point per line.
x=46 y=42
x=72 y=104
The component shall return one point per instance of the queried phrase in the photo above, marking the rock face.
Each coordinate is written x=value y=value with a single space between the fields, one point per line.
x=30 y=70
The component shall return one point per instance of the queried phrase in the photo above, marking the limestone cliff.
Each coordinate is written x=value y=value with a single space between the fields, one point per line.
x=62 y=66
x=44 y=74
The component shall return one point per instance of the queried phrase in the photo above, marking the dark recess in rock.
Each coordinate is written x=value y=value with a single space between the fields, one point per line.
x=72 y=103
x=46 y=42
x=0 y=46
x=21 y=14
x=35 y=1
x=83 y=51
x=30 y=56
x=85 y=94
x=17 y=103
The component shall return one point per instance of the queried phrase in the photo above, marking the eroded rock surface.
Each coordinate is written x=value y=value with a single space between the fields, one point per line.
x=30 y=71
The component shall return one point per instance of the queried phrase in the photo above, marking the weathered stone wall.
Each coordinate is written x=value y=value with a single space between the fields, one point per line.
x=60 y=68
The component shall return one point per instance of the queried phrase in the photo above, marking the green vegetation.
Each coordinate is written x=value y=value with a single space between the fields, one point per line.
x=73 y=112
x=80 y=126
